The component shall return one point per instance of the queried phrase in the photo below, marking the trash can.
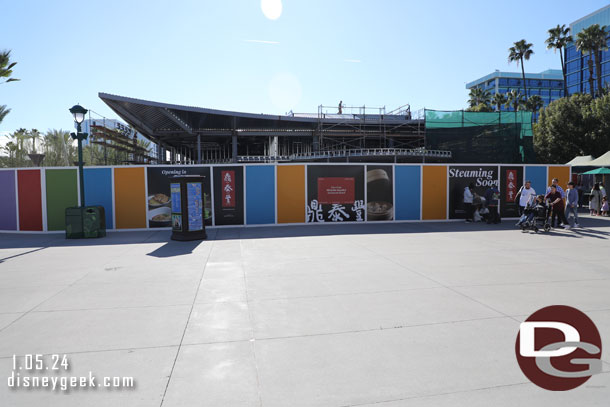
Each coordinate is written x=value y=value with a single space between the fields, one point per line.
x=87 y=222
x=188 y=221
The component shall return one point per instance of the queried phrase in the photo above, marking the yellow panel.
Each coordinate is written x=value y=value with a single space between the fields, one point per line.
x=434 y=192
x=290 y=193
x=129 y=198
x=562 y=173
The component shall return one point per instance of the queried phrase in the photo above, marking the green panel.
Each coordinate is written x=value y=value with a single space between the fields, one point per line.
x=62 y=193
x=438 y=119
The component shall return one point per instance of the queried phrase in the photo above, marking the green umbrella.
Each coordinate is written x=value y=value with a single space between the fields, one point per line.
x=601 y=170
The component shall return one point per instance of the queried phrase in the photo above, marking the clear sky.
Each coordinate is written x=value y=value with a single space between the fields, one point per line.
x=245 y=55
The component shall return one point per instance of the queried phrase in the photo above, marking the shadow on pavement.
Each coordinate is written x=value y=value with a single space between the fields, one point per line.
x=173 y=248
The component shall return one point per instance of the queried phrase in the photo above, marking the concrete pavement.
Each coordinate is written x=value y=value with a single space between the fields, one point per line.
x=332 y=315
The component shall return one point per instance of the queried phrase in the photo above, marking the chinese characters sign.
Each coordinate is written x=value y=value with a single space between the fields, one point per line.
x=511 y=185
x=228 y=189
x=228 y=195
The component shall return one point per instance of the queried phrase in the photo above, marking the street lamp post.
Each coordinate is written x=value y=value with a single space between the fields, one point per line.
x=79 y=113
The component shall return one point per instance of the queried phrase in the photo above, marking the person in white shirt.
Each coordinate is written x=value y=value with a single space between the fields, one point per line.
x=468 y=198
x=525 y=195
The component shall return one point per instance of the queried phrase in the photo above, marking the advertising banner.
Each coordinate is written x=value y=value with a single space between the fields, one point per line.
x=176 y=206
x=229 y=195
x=335 y=193
x=194 y=205
x=379 y=192
x=160 y=200
x=511 y=179
x=482 y=177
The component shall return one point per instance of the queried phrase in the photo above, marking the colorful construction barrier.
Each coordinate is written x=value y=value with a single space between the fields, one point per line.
x=138 y=197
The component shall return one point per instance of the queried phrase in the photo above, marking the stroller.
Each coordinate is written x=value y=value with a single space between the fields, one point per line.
x=536 y=216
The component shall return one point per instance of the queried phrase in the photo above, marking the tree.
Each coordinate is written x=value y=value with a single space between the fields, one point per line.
x=3 y=112
x=534 y=103
x=498 y=101
x=6 y=70
x=481 y=107
x=575 y=125
x=598 y=36
x=559 y=38
x=522 y=50
x=586 y=43
x=514 y=100
x=6 y=67
x=476 y=96
x=59 y=148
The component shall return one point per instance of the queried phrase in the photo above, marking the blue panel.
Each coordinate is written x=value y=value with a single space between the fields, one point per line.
x=98 y=191
x=260 y=194
x=407 y=192
x=538 y=177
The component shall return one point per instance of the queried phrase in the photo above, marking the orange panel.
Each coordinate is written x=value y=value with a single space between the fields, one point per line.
x=434 y=192
x=129 y=198
x=290 y=194
x=562 y=173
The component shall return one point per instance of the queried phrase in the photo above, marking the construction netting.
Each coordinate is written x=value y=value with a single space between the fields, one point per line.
x=481 y=137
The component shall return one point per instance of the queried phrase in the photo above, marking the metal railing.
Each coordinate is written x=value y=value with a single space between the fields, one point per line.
x=363 y=152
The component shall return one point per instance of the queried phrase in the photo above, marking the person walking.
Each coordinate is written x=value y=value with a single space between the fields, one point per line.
x=556 y=202
x=572 y=203
x=468 y=198
x=555 y=182
x=524 y=196
x=595 y=200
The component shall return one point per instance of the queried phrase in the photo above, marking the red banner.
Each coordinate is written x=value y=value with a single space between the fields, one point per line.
x=228 y=189
x=336 y=190
x=511 y=185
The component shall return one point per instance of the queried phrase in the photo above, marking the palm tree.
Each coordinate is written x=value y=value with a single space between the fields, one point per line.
x=6 y=70
x=534 y=103
x=498 y=101
x=599 y=35
x=3 y=112
x=59 y=148
x=6 y=67
x=478 y=96
x=559 y=38
x=522 y=50
x=586 y=43
x=514 y=99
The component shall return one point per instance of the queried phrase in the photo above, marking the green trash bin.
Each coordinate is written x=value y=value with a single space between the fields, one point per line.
x=87 y=222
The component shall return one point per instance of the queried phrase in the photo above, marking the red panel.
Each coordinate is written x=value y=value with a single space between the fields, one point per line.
x=336 y=190
x=228 y=189
x=30 y=200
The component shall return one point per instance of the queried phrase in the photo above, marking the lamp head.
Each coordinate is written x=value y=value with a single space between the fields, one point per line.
x=79 y=113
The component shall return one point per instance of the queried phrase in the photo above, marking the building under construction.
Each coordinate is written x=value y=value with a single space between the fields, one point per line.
x=191 y=135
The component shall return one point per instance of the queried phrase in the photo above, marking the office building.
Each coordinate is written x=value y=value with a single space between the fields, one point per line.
x=577 y=69
x=546 y=84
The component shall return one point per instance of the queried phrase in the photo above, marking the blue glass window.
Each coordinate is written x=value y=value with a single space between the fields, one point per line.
x=573 y=78
x=573 y=89
x=571 y=53
x=573 y=66
x=503 y=82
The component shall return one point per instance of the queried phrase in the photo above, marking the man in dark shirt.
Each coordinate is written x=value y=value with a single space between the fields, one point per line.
x=492 y=196
x=557 y=205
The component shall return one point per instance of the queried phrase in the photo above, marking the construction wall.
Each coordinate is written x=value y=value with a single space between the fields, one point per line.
x=138 y=197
